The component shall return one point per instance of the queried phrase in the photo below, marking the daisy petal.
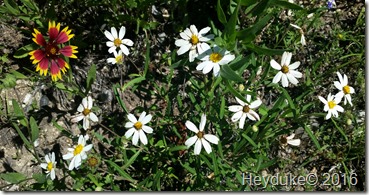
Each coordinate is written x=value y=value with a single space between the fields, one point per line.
x=93 y=117
x=284 y=80
x=198 y=147
x=147 y=129
x=190 y=141
x=275 y=65
x=206 y=145
x=191 y=126
x=277 y=77
x=211 y=138
x=143 y=137
x=235 y=108
x=237 y=116
x=132 y=118
x=130 y=132
x=135 y=138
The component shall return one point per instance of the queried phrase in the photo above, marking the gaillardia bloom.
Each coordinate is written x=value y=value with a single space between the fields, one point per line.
x=53 y=51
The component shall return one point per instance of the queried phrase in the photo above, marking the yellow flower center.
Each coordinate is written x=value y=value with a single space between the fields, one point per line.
x=331 y=104
x=49 y=166
x=78 y=149
x=119 y=59
x=117 y=42
x=194 y=39
x=285 y=69
x=346 y=89
x=246 y=109
x=51 y=50
x=86 y=111
x=200 y=134
x=215 y=57
x=138 y=125
x=92 y=161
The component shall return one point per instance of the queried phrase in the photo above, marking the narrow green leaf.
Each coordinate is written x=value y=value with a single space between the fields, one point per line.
x=248 y=2
x=260 y=7
x=288 y=97
x=30 y=4
x=91 y=77
x=131 y=160
x=247 y=35
x=23 y=51
x=18 y=75
x=93 y=179
x=340 y=130
x=312 y=136
x=188 y=168
x=132 y=82
x=267 y=164
x=18 y=111
x=249 y=140
x=222 y=108
x=264 y=51
x=227 y=73
x=10 y=5
x=286 y=4
x=39 y=177
x=34 y=129
x=231 y=25
x=240 y=62
x=13 y=178
x=22 y=136
x=121 y=171
x=157 y=177
x=177 y=148
x=179 y=63
x=147 y=58
x=117 y=96
x=221 y=16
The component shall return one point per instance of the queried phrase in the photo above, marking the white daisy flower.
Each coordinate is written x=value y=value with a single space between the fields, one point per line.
x=345 y=89
x=49 y=165
x=78 y=152
x=213 y=58
x=286 y=71
x=85 y=113
x=289 y=140
x=245 y=110
x=117 y=41
x=138 y=128
x=194 y=41
x=200 y=139
x=118 y=58
x=331 y=105
x=303 y=41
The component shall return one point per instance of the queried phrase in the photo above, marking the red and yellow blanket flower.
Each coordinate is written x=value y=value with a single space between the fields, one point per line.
x=53 y=51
